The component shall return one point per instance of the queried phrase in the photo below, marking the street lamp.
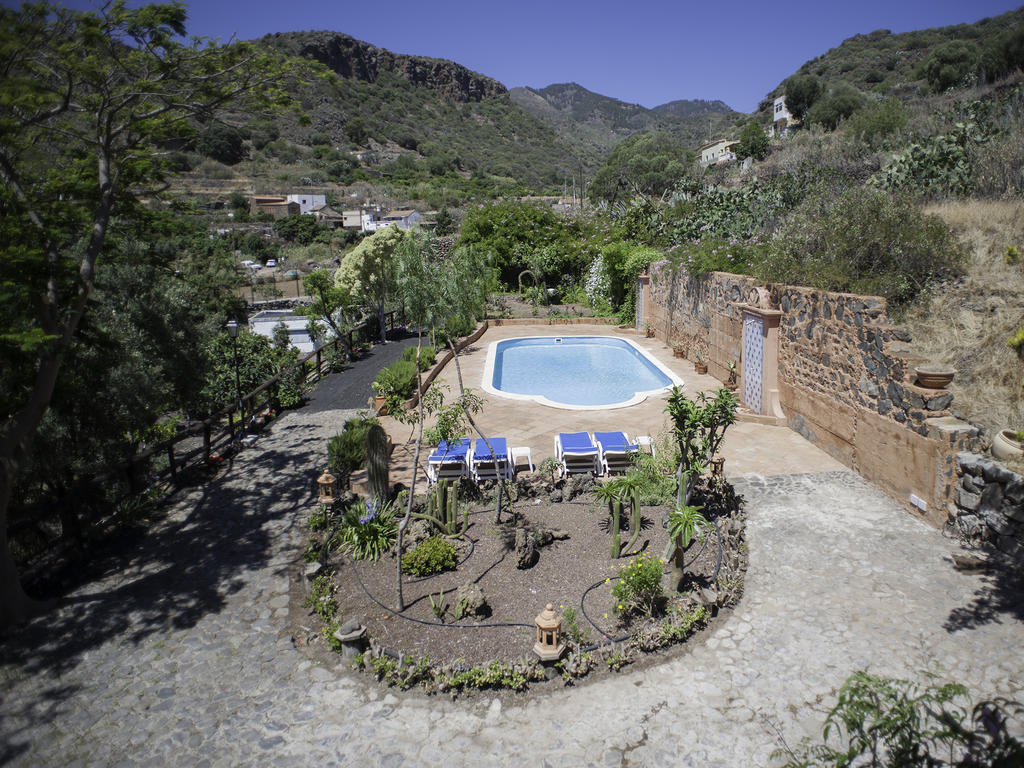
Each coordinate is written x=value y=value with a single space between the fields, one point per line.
x=232 y=327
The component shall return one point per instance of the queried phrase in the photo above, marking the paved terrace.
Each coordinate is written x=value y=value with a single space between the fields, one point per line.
x=748 y=447
x=178 y=652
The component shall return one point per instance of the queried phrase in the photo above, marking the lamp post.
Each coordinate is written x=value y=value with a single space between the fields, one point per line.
x=232 y=327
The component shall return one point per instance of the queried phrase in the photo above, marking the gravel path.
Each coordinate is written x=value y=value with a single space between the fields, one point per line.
x=182 y=655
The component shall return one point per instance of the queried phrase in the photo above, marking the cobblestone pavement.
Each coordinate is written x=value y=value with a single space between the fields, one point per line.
x=183 y=657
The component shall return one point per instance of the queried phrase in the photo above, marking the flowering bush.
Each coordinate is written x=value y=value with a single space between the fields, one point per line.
x=638 y=590
x=368 y=530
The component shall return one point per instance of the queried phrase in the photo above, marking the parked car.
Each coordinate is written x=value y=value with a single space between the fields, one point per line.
x=248 y=263
x=271 y=262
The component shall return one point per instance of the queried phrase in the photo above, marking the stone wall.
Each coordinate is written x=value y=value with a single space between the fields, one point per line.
x=989 y=506
x=845 y=377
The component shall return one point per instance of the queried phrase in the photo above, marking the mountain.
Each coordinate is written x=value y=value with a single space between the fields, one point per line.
x=691 y=107
x=598 y=123
x=431 y=109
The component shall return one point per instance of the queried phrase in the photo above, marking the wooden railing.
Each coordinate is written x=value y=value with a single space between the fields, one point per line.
x=219 y=436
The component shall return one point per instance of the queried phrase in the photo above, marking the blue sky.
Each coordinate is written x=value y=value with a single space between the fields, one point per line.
x=647 y=53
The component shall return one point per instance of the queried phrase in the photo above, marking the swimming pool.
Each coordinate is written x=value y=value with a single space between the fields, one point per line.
x=574 y=372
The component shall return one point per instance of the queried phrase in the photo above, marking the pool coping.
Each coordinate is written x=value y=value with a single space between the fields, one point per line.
x=638 y=397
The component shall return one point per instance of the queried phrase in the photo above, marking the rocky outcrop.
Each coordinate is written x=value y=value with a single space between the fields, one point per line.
x=355 y=59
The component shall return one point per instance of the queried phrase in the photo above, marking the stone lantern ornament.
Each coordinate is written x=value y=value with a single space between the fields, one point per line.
x=550 y=645
x=328 y=487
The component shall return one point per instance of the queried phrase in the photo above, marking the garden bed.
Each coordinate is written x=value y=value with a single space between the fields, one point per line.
x=574 y=572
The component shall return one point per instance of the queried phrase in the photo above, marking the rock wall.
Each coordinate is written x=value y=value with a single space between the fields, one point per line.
x=358 y=60
x=845 y=375
x=989 y=506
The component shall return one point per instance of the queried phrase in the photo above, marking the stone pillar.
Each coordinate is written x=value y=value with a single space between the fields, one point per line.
x=643 y=298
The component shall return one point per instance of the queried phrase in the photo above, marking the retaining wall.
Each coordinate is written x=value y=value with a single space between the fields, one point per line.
x=988 y=506
x=844 y=377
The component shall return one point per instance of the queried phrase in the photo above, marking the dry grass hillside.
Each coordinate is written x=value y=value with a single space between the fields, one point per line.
x=966 y=324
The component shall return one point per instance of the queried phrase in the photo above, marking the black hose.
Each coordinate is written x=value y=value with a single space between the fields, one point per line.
x=424 y=621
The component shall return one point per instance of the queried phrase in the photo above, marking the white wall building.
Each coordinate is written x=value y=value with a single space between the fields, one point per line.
x=308 y=203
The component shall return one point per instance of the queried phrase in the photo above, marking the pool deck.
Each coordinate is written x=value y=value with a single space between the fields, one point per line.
x=749 y=448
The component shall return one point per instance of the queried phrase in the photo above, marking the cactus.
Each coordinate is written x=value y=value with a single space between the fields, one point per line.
x=443 y=509
x=635 y=524
x=377 y=463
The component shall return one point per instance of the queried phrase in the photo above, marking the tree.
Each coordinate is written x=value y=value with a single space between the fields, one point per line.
x=647 y=164
x=356 y=130
x=951 y=64
x=367 y=271
x=87 y=104
x=841 y=101
x=801 y=91
x=221 y=142
x=753 y=142
x=300 y=228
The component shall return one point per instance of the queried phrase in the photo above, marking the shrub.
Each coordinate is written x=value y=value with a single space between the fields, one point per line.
x=434 y=555
x=347 y=451
x=427 y=356
x=912 y=724
x=863 y=242
x=368 y=530
x=638 y=590
x=397 y=381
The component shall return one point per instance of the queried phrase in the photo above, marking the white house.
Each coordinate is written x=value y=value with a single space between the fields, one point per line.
x=308 y=203
x=402 y=218
x=781 y=118
x=718 y=151
x=360 y=218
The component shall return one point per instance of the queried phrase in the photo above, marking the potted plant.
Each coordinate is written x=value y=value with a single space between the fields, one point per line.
x=733 y=381
x=679 y=350
x=1008 y=444
x=699 y=364
x=648 y=331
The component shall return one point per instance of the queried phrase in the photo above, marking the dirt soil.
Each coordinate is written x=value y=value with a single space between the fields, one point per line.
x=513 y=305
x=563 y=574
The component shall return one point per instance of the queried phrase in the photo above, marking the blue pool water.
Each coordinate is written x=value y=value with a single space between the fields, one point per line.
x=576 y=370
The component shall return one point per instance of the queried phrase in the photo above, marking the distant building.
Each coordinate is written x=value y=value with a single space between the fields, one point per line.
x=276 y=206
x=781 y=118
x=327 y=215
x=308 y=203
x=719 y=151
x=359 y=218
x=402 y=218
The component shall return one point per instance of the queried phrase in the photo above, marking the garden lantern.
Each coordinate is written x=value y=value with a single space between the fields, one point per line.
x=328 y=486
x=549 y=645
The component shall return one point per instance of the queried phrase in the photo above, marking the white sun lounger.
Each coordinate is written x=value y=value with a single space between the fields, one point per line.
x=577 y=453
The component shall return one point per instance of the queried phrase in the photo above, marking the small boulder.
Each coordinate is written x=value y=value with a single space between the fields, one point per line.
x=525 y=547
x=473 y=598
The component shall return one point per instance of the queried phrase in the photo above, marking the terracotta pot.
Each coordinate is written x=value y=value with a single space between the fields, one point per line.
x=678 y=352
x=380 y=405
x=934 y=378
x=701 y=367
x=1005 y=445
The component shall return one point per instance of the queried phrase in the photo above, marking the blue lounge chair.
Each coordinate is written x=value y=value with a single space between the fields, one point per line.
x=576 y=452
x=449 y=460
x=614 y=451
x=484 y=466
